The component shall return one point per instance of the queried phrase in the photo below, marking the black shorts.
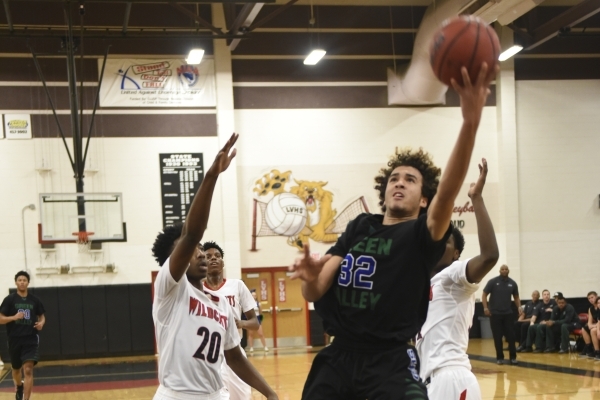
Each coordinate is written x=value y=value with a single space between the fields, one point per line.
x=338 y=373
x=22 y=349
x=259 y=318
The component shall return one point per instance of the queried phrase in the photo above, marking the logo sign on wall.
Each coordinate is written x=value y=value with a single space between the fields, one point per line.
x=17 y=126
x=264 y=294
x=180 y=177
x=157 y=83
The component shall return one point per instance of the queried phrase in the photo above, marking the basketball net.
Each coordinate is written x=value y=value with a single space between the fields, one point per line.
x=83 y=241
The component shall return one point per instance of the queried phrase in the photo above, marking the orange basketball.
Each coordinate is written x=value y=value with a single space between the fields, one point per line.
x=463 y=41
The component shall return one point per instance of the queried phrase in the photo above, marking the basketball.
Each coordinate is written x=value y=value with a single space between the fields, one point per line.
x=286 y=214
x=463 y=41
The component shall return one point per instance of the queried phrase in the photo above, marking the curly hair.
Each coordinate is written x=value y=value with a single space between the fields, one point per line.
x=213 y=245
x=459 y=240
x=419 y=160
x=163 y=244
x=22 y=273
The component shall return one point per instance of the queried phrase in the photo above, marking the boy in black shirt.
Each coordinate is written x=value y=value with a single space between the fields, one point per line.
x=23 y=314
x=372 y=288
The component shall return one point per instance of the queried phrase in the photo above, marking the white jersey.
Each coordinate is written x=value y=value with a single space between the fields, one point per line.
x=444 y=337
x=237 y=294
x=192 y=331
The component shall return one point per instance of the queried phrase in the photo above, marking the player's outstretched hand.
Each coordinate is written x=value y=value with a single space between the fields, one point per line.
x=38 y=326
x=474 y=95
x=224 y=156
x=307 y=268
x=477 y=188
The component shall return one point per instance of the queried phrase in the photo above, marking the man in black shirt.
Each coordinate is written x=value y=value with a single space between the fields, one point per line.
x=372 y=288
x=524 y=321
x=500 y=289
x=563 y=321
x=591 y=343
x=541 y=315
x=23 y=314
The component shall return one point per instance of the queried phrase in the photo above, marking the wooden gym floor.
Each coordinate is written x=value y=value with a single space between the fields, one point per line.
x=537 y=377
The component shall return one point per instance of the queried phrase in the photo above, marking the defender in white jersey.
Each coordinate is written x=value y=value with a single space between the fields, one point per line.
x=444 y=338
x=195 y=330
x=241 y=301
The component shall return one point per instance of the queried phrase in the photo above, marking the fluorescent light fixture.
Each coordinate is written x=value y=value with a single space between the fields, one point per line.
x=195 y=56
x=314 y=57
x=508 y=53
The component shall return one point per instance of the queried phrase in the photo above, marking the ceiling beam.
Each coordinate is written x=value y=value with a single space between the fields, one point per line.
x=272 y=15
x=567 y=19
x=229 y=12
x=126 y=18
x=242 y=21
x=155 y=1
x=8 y=17
x=196 y=18
x=114 y=34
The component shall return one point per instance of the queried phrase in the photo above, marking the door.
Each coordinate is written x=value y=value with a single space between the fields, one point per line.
x=284 y=310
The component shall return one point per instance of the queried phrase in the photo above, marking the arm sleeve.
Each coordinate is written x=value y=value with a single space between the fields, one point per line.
x=515 y=289
x=246 y=300
x=342 y=246
x=166 y=292
x=6 y=306
x=569 y=315
x=433 y=250
x=488 y=287
x=232 y=336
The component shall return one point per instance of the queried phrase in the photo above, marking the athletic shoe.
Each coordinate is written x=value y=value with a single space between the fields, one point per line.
x=251 y=349
x=500 y=362
x=561 y=351
x=539 y=351
x=19 y=393
x=514 y=362
x=550 y=351
x=266 y=349
x=527 y=350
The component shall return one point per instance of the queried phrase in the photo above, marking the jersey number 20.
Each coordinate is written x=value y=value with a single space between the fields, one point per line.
x=213 y=349
x=365 y=268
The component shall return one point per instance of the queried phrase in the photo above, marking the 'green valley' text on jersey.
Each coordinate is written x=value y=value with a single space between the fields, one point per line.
x=380 y=293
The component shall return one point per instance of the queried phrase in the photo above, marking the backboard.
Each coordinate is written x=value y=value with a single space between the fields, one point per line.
x=64 y=215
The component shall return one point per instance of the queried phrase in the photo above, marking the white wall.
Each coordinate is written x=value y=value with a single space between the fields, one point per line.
x=127 y=165
x=559 y=183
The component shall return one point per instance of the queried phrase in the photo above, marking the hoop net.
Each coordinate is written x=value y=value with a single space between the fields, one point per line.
x=83 y=241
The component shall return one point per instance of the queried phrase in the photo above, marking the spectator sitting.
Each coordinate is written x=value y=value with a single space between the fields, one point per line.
x=591 y=346
x=595 y=331
x=522 y=324
x=564 y=320
x=541 y=314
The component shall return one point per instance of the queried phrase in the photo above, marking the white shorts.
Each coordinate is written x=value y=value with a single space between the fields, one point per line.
x=234 y=388
x=453 y=383
x=163 y=393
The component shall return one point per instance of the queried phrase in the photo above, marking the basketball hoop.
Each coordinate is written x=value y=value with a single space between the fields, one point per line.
x=83 y=241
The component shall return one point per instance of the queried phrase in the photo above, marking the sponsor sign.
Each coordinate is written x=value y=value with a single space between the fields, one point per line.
x=157 y=83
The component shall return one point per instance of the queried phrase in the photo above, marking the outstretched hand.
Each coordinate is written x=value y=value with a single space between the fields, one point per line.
x=474 y=96
x=224 y=157
x=307 y=268
x=477 y=188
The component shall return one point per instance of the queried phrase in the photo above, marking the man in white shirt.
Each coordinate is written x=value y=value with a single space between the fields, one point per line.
x=443 y=340
x=240 y=301
x=195 y=331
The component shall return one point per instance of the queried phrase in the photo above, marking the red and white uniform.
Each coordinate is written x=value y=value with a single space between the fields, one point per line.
x=193 y=329
x=240 y=299
x=444 y=338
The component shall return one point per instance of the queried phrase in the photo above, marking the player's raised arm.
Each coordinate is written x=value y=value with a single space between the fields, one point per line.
x=479 y=266
x=316 y=275
x=197 y=218
x=472 y=100
x=246 y=371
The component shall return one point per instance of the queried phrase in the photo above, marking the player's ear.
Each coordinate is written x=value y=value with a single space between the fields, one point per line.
x=423 y=202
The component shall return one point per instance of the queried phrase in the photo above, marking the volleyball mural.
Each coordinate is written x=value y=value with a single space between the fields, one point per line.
x=299 y=210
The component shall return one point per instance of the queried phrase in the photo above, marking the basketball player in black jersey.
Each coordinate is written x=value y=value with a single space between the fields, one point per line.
x=372 y=288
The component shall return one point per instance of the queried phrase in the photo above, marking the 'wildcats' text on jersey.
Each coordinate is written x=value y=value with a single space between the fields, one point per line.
x=444 y=337
x=193 y=329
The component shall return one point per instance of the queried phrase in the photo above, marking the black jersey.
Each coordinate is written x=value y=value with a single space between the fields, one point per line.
x=30 y=306
x=380 y=293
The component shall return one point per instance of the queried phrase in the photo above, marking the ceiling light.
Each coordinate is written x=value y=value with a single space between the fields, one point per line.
x=195 y=56
x=508 y=53
x=314 y=57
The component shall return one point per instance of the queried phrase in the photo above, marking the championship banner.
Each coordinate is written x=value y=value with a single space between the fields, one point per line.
x=157 y=83
x=17 y=126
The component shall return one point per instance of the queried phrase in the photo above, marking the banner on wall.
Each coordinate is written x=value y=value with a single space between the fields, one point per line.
x=281 y=290
x=157 y=83
x=264 y=294
x=17 y=126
